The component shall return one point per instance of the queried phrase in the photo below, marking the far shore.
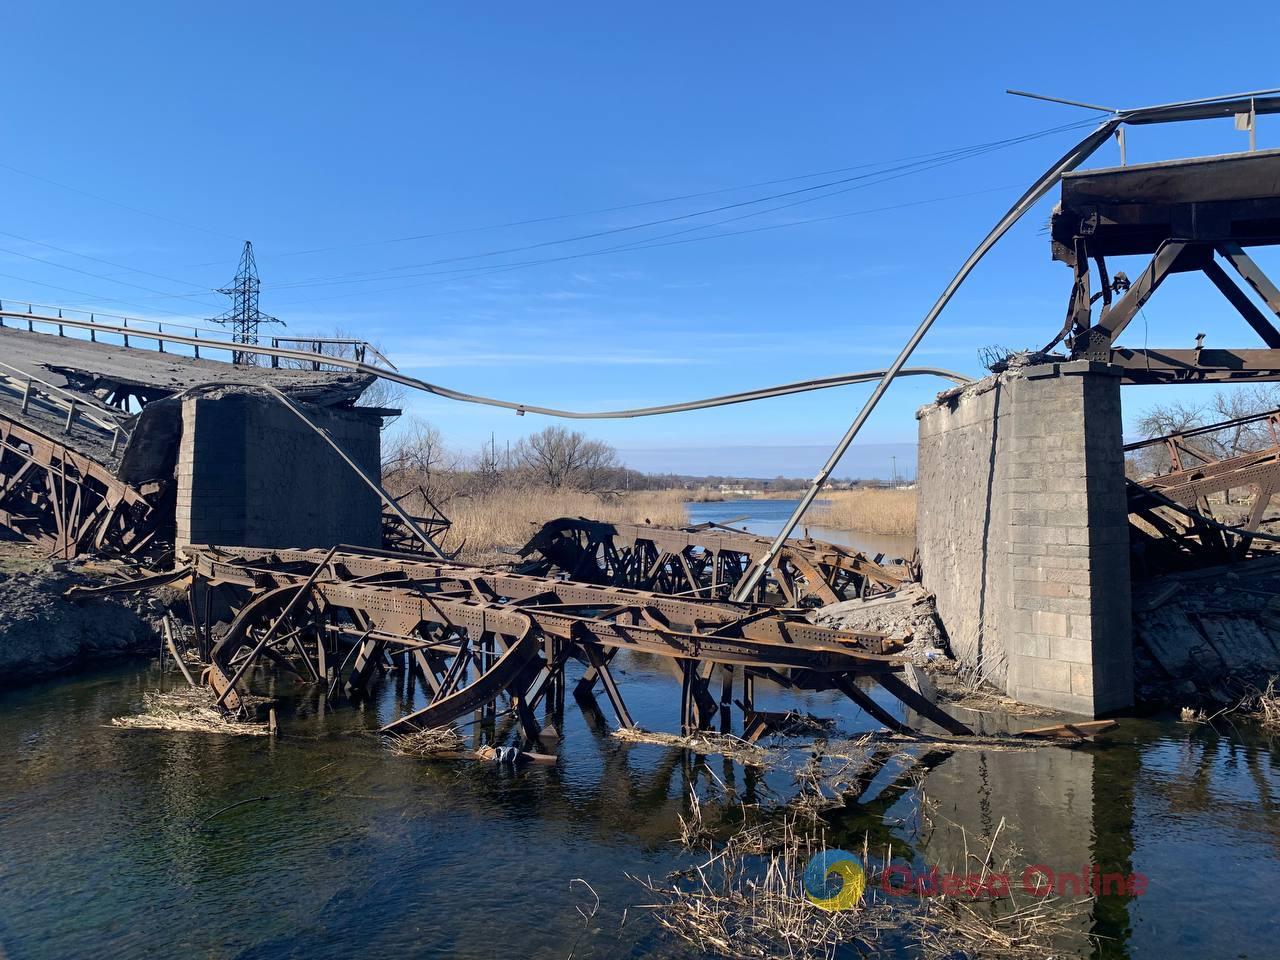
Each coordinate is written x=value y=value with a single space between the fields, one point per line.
x=878 y=510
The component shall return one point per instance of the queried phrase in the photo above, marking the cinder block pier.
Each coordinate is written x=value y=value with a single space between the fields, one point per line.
x=1023 y=533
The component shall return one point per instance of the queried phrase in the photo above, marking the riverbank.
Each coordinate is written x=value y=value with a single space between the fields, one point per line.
x=42 y=635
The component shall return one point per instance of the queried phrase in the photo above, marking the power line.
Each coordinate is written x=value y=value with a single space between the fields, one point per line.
x=663 y=200
x=475 y=273
x=93 y=297
x=890 y=173
x=114 y=203
x=109 y=263
x=96 y=276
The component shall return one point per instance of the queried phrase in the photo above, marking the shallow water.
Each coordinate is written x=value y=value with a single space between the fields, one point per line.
x=354 y=850
x=141 y=843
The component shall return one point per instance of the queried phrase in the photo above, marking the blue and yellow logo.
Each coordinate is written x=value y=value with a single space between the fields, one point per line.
x=834 y=880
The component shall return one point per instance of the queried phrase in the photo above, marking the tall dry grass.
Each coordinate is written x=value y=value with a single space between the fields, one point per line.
x=885 y=512
x=494 y=525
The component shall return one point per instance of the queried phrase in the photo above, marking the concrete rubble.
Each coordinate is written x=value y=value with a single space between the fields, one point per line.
x=907 y=612
x=1207 y=637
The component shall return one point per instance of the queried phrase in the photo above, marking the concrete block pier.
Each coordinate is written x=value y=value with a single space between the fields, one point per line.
x=1023 y=533
x=250 y=473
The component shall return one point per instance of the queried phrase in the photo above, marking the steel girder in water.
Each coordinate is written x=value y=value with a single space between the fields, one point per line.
x=706 y=561
x=475 y=637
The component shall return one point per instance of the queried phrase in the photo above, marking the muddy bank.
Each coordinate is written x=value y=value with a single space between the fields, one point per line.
x=42 y=634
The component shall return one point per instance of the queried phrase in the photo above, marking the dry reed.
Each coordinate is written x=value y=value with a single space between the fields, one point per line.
x=882 y=512
x=706 y=743
x=190 y=710
x=492 y=527
x=748 y=900
x=428 y=743
x=1266 y=707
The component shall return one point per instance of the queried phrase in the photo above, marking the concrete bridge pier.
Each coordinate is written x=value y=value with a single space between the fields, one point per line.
x=1023 y=533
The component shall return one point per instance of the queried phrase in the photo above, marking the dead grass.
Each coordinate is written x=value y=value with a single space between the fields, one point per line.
x=434 y=742
x=493 y=526
x=885 y=512
x=706 y=743
x=748 y=900
x=190 y=711
x=1266 y=706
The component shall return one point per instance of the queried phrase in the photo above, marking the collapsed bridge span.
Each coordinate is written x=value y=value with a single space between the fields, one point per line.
x=707 y=560
x=474 y=637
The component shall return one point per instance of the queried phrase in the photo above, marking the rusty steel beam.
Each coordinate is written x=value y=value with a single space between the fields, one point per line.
x=487 y=635
x=70 y=504
x=705 y=561
x=1176 y=503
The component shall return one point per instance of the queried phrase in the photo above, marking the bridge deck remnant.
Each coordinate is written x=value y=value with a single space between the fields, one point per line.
x=473 y=636
x=707 y=560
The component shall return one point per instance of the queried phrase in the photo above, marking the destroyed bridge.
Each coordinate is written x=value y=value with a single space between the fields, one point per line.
x=257 y=488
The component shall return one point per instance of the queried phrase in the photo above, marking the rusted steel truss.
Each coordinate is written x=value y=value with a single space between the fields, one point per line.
x=1191 y=216
x=706 y=561
x=1196 y=474
x=71 y=504
x=484 y=642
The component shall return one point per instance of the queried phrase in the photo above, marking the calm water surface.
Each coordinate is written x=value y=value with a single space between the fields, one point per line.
x=766 y=517
x=357 y=852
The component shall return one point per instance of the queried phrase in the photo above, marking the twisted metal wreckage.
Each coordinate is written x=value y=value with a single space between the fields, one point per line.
x=704 y=599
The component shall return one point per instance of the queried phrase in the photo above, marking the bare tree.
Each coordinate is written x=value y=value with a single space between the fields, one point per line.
x=419 y=457
x=381 y=393
x=1232 y=404
x=562 y=458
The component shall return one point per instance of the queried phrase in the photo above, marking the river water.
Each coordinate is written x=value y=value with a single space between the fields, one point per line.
x=338 y=848
x=766 y=517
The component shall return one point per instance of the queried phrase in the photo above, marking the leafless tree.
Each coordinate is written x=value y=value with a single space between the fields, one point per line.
x=1231 y=441
x=562 y=458
x=419 y=457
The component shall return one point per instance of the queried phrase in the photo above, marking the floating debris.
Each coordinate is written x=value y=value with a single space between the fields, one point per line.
x=433 y=743
x=190 y=711
x=706 y=743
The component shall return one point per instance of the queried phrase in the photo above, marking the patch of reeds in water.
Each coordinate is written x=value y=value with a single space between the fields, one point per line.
x=1267 y=708
x=191 y=710
x=434 y=742
x=886 y=512
x=748 y=900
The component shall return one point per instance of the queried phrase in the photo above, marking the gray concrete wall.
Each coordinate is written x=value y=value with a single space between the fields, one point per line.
x=1023 y=533
x=250 y=473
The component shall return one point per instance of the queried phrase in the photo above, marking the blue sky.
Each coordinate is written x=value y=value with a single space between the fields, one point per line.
x=157 y=137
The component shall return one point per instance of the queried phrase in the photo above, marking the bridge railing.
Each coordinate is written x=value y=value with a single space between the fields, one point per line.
x=153 y=332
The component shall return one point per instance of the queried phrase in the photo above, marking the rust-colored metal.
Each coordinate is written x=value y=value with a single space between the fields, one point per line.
x=1196 y=475
x=71 y=504
x=475 y=636
x=706 y=561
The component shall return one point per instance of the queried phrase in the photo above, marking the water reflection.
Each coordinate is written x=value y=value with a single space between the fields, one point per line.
x=105 y=847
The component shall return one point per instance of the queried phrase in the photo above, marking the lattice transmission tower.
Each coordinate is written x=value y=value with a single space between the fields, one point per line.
x=244 y=315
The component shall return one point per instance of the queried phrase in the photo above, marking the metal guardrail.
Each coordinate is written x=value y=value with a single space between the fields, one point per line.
x=76 y=407
x=154 y=330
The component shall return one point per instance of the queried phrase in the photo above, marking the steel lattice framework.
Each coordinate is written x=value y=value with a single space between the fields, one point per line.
x=244 y=315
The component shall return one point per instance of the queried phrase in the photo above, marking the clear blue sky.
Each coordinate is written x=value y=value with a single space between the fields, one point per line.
x=334 y=128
